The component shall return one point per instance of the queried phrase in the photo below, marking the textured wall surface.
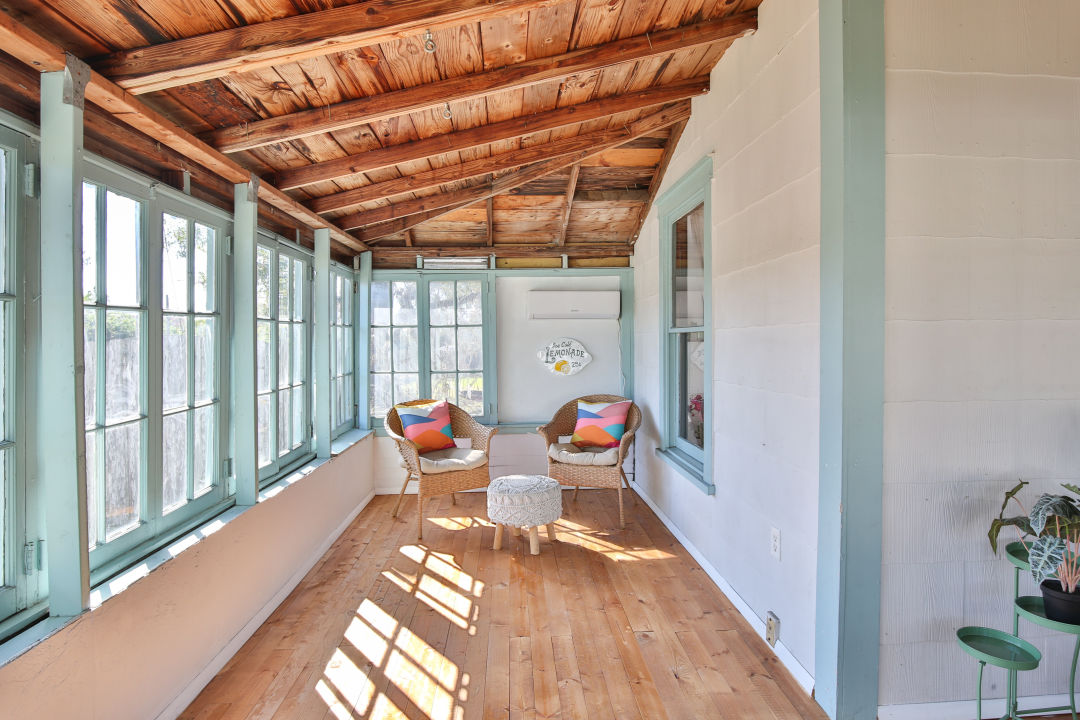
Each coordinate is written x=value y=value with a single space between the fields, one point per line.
x=761 y=122
x=982 y=319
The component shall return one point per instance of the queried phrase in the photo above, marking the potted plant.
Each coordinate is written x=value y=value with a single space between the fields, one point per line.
x=1051 y=533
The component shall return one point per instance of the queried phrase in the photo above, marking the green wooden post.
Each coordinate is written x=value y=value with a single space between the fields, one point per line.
x=61 y=449
x=362 y=330
x=245 y=409
x=846 y=654
x=323 y=420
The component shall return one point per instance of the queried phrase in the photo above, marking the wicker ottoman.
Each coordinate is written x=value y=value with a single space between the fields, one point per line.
x=524 y=501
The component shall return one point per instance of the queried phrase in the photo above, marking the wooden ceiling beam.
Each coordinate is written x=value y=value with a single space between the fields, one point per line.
x=290 y=39
x=571 y=188
x=658 y=178
x=415 y=212
x=485 y=134
x=361 y=111
x=505 y=251
x=490 y=222
x=611 y=198
x=41 y=54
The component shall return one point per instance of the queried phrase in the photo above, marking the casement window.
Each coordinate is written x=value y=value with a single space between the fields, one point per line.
x=283 y=345
x=428 y=340
x=343 y=390
x=685 y=327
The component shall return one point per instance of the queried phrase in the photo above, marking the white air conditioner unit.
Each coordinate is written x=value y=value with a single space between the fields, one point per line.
x=579 y=304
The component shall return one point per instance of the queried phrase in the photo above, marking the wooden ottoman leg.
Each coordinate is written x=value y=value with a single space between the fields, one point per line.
x=516 y=531
x=534 y=540
x=551 y=531
x=498 y=535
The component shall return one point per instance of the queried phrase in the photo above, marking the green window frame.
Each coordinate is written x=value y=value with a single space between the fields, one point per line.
x=430 y=336
x=283 y=357
x=342 y=350
x=686 y=333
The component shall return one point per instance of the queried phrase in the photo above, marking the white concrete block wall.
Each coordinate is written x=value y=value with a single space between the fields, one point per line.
x=982 y=320
x=761 y=123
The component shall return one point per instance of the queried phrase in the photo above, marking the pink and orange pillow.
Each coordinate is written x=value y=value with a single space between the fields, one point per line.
x=427 y=425
x=600 y=424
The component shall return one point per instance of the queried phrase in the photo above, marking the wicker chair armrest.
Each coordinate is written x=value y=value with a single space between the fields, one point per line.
x=624 y=444
x=549 y=433
x=409 y=454
x=480 y=435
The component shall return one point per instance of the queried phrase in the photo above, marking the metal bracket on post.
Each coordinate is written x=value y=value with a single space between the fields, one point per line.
x=76 y=76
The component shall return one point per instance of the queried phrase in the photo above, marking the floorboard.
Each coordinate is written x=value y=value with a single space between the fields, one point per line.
x=604 y=624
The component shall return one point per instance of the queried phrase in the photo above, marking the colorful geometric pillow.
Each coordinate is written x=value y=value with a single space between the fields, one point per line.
x=600 y=424
x=427 y=425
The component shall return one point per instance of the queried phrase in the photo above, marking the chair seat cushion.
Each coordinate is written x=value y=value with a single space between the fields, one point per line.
x=573 y=455
x=450 y=460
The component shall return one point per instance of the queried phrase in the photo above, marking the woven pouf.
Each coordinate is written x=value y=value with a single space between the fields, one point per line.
x=524 y=501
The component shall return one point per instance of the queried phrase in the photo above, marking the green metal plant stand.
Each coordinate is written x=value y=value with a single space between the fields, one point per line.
x=1002 y=650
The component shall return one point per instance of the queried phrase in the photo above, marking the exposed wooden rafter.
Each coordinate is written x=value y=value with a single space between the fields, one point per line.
x=506 y=251
x=485 y=134
x=404 y=224
x=571 y=188
x=41 y=54
x=658 y=178
x=290 y=39
x=352 y=113
x=490 y=222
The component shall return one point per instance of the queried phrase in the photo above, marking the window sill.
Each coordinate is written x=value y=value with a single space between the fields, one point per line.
x=347 y=439
x=688 y=467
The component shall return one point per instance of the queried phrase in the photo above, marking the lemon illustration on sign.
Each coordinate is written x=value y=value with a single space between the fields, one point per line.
x=562 y=366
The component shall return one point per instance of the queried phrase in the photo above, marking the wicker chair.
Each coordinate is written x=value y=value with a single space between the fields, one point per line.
x=603 y=476
x=430 y=484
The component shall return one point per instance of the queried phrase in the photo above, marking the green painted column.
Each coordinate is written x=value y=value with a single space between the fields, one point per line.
x=245 y=408
x=61 y=446
x=362 y=327
x=323 y=420
x=847 y=629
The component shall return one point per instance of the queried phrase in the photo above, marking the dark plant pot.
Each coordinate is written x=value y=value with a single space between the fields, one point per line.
x=1060 y=605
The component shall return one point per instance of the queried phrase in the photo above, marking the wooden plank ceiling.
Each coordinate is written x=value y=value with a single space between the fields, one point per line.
x=526 y=128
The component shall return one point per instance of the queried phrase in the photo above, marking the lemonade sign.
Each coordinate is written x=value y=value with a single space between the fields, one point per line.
x=564 y=356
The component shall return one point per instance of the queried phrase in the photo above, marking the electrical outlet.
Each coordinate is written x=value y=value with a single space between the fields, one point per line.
x=774 y=543
x=772 y=628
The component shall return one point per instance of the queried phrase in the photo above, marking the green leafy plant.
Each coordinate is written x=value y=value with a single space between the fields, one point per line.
x=1050 y=531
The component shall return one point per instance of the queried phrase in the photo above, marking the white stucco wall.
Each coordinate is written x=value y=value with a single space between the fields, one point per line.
x=761 y=122
x=982 y=320
x=139 y=653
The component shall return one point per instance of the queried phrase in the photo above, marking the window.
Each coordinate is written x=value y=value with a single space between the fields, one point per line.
x=685 y=323
x=427 y=340
x=341 y=352
x=283 y=349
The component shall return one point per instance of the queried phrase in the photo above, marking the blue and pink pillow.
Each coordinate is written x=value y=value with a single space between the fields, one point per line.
x=600 y=424
x=427 y=425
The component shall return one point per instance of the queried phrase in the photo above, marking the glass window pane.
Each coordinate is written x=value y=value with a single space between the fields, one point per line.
x=470 y=348
x=298 y=347
x=205 y=330
x=347 y=301
x=337 y=405
x=339 y=300
x=263 y=259
x=89 y=242
x=444 y=387
x=469 y=300
x=443 y=349
x=690 y=389
x=380 y=303
x=90 y=351
x=263 y=339
x=405 y=350
x=283 y=288
x=298 y=434
x=404 y=303
x=380 y=388
x=284 y=409
x=298 y=290
x=348 y=360
x=341 y=359
x=205 y=268
x=174 y=461
x=688 y=262
x=122 y=355
x=122 y=250
x=204 y=455
x=4 y=155
x=174 y=361
x=406 y=387
x=284 y=335
x=442 y=302
x=471 y=393
x=123 y=457
x=93 y=489
x=265 y=447
x=380 y=349
x=174 y=263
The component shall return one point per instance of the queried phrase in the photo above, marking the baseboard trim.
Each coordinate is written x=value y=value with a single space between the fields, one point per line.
x=962 y=709
x=804 y=678
x=186 y=696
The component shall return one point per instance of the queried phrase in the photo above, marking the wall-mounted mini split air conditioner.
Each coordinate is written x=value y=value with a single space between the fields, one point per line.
x=576 y=304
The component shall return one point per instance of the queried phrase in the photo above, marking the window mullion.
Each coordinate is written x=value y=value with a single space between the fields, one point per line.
x=423 y=336
x=152 y=367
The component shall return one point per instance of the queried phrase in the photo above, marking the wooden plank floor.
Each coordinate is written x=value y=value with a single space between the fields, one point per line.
x=602 y=625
